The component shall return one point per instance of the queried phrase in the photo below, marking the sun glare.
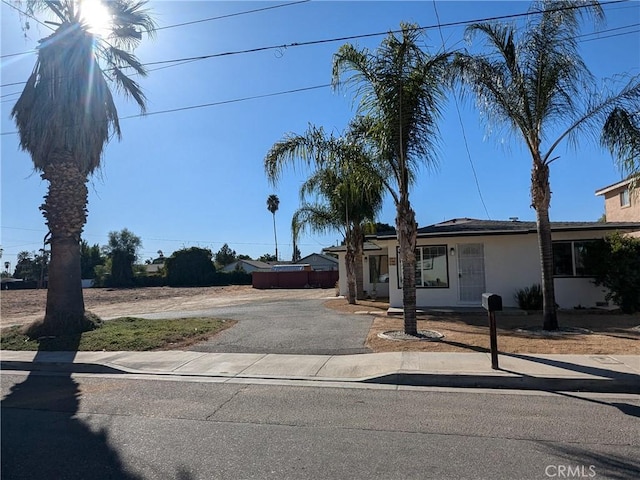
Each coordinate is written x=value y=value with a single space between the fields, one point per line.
x=97 y=16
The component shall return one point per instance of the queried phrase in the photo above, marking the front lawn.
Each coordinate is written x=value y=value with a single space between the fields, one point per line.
x=126 y=334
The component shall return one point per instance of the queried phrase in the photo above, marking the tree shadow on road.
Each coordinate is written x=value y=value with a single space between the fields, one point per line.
x=43 y=439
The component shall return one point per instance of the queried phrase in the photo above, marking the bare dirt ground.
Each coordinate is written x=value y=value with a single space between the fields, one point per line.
x=20 y=307
x=612 y=333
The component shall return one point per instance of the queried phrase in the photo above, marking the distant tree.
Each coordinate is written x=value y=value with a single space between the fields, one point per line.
x=273 y=202
x=122 y=249
x=225 y=256
x=190 y=267
x=90 y=257
x=243 y=257
x=267 y=257
x=27 y=267
x=296 y=254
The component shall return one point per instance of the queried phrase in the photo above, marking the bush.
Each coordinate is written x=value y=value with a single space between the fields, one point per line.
x=237 y=277
x=190 y=267
x=529 y=298
x=615 y=264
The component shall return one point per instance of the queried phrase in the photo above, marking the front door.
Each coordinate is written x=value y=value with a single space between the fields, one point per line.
x=471 y=284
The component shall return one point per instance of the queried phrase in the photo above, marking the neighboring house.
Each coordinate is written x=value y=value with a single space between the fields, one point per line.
x=621 y=203
x=460 y=259
x=320 y=262
x=246 y=265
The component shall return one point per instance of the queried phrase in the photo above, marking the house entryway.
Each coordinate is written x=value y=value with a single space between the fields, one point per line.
x=471 y=283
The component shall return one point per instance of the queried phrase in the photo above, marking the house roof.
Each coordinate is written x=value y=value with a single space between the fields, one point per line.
x=321 y=255
x=614 y=186
x=368 y=246
x=472 y=227
x=253 y=263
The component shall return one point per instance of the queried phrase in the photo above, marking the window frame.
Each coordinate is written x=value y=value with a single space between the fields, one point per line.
x=625 y=198
x=576 y=260
x=419 y=248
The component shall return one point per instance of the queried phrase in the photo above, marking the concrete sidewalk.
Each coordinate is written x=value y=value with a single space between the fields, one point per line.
x=593 y=373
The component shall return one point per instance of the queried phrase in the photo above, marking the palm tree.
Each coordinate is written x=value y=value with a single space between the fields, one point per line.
x=65 y=116
x=347 y=194
x=401 y=91
x=273 y=202
x=537 y=84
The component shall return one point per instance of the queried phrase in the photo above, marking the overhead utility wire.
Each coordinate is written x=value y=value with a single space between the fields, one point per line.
x=338 y=39
x=209 y=19
x=231 y=15
x=464 y=134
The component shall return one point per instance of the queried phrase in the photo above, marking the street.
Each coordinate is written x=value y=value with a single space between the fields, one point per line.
x=151 y=427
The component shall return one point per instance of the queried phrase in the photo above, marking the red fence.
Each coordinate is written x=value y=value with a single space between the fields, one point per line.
x=304 y=279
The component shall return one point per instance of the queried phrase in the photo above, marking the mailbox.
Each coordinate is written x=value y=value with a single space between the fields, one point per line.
x=492 y=302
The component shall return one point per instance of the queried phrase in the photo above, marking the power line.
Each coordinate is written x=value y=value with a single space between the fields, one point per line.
x=211 y=104
x=464 y=134
x=231 y=15
x=342 y=39
x=209 y=19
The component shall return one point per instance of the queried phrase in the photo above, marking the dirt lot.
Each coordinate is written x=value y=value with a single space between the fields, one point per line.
x=611 y=333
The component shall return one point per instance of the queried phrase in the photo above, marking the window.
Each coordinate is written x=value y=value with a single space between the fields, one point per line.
x=432 y=268
x=568 y=259
x=624 y=198
x=379 y=268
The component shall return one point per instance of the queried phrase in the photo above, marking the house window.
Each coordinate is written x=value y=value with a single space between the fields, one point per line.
x=568 y=259
x=432 y=267
x=624 y=198
x=379 y=268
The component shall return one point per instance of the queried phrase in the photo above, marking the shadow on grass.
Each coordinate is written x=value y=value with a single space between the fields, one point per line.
x=43 y=439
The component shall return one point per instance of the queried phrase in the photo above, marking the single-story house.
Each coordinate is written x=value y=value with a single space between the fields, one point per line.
x=246 y=265
x=320 y=262
x=462 y=258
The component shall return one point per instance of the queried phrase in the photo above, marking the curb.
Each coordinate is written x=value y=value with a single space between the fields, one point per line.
x=503 y=381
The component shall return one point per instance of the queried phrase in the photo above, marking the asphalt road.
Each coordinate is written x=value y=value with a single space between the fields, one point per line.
x=280 y=325
x=122 y=427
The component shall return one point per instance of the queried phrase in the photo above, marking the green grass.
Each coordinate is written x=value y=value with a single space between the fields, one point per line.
x=126 y=333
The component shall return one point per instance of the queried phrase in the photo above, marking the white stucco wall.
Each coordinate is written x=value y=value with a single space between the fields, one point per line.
x=511 y=263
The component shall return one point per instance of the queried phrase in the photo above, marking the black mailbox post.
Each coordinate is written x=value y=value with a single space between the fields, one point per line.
x=492 y=303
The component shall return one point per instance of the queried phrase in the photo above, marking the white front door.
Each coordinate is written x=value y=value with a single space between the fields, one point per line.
x=471 y=284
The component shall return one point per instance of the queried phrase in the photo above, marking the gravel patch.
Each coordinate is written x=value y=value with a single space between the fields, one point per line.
x=539 y=332
x=423 y=336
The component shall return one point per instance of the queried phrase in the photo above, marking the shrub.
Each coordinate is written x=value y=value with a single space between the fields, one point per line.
x=529 y=298
x=615 y=264
x=190 y=267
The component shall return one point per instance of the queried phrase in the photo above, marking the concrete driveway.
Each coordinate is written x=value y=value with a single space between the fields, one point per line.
x=295 y=323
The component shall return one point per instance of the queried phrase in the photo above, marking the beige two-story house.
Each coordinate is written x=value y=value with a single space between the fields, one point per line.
x=621 y=202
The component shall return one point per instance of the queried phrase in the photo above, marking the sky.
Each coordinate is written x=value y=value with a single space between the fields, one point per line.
x=183 y=177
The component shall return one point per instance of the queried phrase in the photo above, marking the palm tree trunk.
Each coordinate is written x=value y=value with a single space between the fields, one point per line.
x=407 y=232
x=275 y=235
x=541 y=199
x=351 y=273
x=65 y=211
x=359 y=268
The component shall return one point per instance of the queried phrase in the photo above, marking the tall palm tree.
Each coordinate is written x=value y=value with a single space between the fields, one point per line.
x=536 y=83
x=401 y=90
x=273 y=202
x=347 y=193
x=65 y=116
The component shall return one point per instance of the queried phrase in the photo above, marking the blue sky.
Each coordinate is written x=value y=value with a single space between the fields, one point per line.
x=195 y=177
